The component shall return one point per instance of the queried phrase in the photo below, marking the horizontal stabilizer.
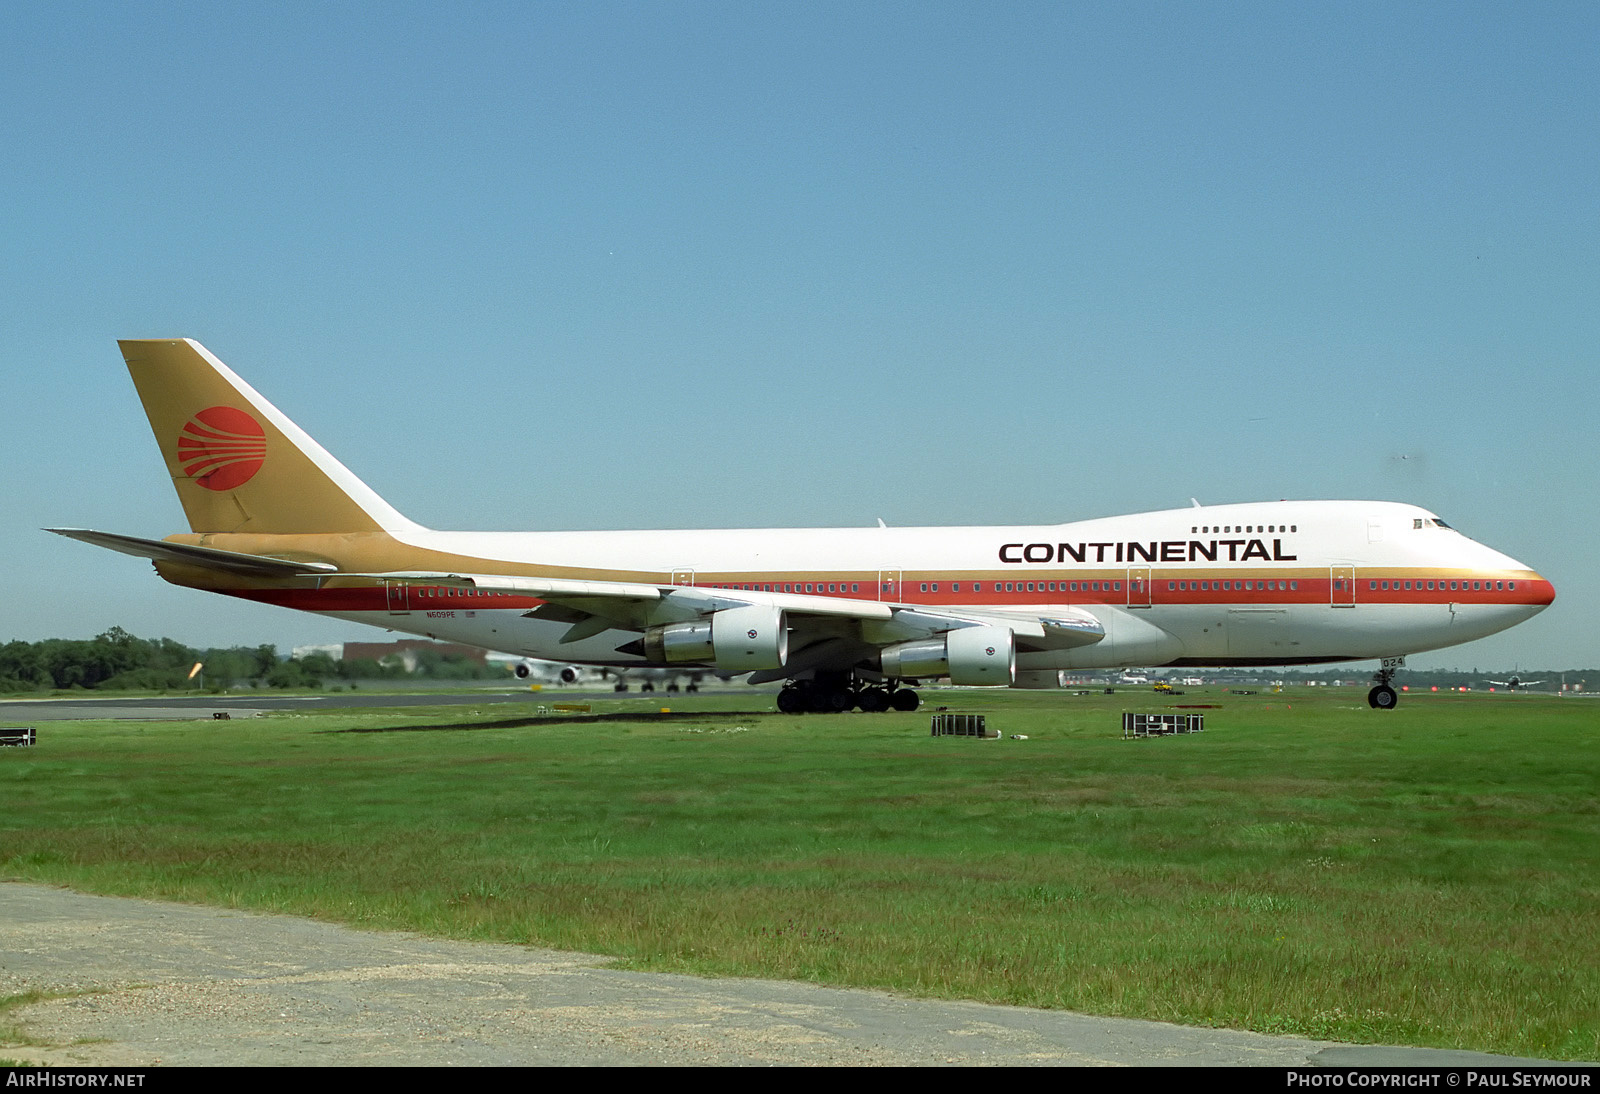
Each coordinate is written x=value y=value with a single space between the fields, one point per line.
x=158 y=550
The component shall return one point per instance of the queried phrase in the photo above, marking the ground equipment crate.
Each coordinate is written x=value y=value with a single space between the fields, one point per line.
x=962 y=725
x=1161 y=725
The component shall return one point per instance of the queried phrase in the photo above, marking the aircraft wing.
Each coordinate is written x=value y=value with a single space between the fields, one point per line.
x=595 y=606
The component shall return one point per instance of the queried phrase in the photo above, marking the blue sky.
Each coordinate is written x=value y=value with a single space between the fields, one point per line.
x=699 y=265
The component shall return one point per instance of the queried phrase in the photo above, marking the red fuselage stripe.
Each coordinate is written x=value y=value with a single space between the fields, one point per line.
x=1108 y=589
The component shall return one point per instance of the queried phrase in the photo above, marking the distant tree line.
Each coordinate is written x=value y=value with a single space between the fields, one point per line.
x=119 y=660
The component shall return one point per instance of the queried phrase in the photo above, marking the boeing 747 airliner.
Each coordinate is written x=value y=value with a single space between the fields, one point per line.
x=847 y=616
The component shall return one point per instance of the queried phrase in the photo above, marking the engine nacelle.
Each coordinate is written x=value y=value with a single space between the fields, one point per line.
x=747 y=639
x=971 y=656
x=911 y=660
x=677 y=643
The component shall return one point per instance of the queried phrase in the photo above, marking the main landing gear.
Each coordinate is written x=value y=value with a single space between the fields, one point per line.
x=1383 y=696
x=837 y=692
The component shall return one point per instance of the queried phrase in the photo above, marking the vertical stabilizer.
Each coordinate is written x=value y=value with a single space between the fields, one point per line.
x=237 y=463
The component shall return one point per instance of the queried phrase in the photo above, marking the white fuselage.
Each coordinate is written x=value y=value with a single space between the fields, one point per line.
x=1267 y=583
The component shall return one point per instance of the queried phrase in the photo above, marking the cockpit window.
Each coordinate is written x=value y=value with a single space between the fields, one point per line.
x=1441 y=523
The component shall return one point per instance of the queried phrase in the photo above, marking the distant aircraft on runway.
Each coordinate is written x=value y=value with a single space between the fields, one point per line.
x=621 y=679
x=545 y=672
x=1516 y=683
x=848 y=616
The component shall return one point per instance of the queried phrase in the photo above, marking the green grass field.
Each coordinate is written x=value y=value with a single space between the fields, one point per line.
x=1425 y=876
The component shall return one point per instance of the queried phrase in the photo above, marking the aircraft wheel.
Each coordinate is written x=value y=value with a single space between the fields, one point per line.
x=905 y=700
x=832 y=700
x=619 y=687
x=671 y=688
x=790 y=701
x=647 y=686
x=1382 y=697
x=873 y=700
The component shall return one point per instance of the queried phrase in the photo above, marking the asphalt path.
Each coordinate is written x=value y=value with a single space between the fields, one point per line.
x=141 y=983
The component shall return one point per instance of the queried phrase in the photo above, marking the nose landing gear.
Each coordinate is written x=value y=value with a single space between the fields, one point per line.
x=1383 y=697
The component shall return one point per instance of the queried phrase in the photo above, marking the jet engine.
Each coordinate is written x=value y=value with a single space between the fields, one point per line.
x=746 y=639
x=975 y=656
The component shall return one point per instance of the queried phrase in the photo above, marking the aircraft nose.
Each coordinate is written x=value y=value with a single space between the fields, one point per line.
x=1542 y=592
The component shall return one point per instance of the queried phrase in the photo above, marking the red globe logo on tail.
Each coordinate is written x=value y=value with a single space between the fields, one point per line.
x=221 y=448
